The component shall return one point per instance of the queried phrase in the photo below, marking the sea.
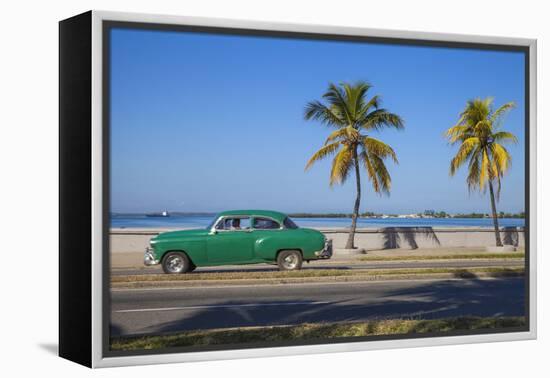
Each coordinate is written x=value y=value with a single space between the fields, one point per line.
x=202 y=221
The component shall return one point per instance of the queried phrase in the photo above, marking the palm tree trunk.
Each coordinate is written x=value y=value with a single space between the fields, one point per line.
x=351 y=237
x=495 y=217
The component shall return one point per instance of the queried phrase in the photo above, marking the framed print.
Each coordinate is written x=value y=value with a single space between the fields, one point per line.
x=233 y=189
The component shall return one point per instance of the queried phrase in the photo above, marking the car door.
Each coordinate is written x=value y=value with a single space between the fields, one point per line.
x=228 y=244
x=267 y=234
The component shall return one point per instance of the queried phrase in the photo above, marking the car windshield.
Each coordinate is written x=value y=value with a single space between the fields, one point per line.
x=211 y=224
x=289 y=223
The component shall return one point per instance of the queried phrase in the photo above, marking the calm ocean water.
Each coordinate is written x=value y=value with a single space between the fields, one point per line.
x=201 y=221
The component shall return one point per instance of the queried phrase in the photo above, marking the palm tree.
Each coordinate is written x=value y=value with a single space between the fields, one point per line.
x=479 y=134
x=349 y=112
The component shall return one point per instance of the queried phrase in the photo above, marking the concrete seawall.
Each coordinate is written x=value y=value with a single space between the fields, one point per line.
x=135 y=240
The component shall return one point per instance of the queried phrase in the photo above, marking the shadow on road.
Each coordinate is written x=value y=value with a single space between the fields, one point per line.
x=227 y=270
x=439 y=299
x=267 y=269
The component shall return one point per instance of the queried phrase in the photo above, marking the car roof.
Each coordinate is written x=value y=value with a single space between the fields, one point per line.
x=278 y=216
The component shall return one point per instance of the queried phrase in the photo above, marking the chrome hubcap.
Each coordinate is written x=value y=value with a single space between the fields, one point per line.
x=290 y=261
x=175 y=264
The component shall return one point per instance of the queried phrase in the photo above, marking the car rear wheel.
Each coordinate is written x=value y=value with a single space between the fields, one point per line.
x=289 y=260
x=176 y=262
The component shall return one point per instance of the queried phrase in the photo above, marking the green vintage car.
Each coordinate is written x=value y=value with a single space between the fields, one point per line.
x=239 y=237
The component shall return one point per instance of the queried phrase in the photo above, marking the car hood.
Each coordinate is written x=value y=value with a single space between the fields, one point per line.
x=182 y=234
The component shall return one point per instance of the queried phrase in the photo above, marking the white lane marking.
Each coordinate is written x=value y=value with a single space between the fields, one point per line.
x=221 y=306
x=299 y=284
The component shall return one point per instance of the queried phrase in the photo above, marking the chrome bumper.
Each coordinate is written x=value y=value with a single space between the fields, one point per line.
x=326 y=252
x=149 y=257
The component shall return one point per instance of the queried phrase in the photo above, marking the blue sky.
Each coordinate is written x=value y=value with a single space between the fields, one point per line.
x=203 y=122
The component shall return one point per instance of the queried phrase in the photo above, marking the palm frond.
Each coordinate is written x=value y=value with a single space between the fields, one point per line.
x=380 y=118
x=483 y=129
x=371 y=171
x=322 y=153
x=474 y=171
x=336 y=135
x=465 y=152
x=458 y=133
x=336 y=98
x=355 y=96
x=377 y=172
x=498 y=115
x=486 y=171
x=374 y=102
x=504 y=137
x=317 y=111
x=501 y=158
x=383 y=175
x=341 y=166
x=347 y=135
x=378 y=148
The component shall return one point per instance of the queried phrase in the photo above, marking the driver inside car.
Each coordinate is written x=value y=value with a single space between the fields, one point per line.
x=236 y=224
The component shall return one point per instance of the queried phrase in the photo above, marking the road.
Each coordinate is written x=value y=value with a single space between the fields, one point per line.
x=168 y=310
x=344 y=265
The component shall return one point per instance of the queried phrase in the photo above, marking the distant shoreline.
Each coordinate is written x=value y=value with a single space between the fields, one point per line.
x=124 y=230
x=202 y=221
x=346 y=215
x=411 y=216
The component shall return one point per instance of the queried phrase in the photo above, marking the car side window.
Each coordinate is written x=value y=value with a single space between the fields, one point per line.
x=289 y=223
x=234 y=224
x=265 y=224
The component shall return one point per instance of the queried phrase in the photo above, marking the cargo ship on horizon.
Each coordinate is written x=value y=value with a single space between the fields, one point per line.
x=161 y=214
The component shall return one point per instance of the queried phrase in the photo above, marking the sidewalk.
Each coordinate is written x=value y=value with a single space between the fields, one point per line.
x=135 y=259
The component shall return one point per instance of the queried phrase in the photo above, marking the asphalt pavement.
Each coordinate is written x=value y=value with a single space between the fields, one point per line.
x=151 y=311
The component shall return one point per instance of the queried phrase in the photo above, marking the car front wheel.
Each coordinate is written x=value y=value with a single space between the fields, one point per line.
x=289 y=260
x=176 y=262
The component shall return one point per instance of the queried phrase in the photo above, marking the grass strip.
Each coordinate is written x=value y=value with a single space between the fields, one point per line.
x=309 y=273
x=471 y=256
x=313 y=331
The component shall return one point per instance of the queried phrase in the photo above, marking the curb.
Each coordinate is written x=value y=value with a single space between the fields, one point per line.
x=363 y=259
x=326 y=279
